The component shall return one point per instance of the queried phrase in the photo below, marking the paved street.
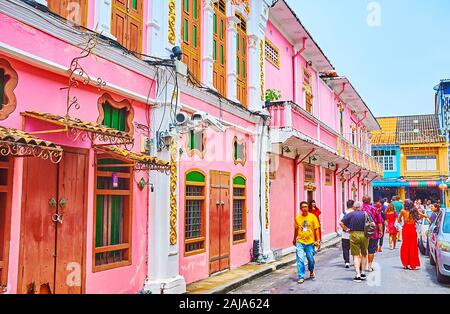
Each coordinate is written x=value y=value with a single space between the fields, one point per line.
x=332 y=277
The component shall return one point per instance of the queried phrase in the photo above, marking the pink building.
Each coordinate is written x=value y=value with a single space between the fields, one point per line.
x=127 y=165
x=318 y=131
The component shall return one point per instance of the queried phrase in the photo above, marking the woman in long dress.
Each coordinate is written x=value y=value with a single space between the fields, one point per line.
x=313 y=209
x=409 y=252
x=391 y=217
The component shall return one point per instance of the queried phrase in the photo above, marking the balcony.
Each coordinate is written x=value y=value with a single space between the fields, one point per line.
x=288 y=117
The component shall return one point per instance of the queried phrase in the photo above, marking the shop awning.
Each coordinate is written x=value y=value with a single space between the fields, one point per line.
x=17 y=143
x=97 y=133
x=408 y=184
x=142 y=162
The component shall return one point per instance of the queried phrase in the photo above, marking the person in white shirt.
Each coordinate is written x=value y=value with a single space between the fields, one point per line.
x=346 y=235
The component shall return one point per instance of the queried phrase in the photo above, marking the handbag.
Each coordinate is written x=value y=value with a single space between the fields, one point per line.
x=397 y=225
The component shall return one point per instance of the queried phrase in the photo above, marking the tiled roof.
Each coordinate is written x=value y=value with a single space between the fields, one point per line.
x=145 y=161
x=75 y=123
x=14 y=136
x=388 y=133
x=419 y=129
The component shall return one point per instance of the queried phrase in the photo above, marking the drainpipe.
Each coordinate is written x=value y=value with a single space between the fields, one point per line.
x=335 y=200
x=294 y=69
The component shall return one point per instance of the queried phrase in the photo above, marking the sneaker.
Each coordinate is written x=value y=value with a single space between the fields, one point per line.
x=357 y=279
x=363 y=277
x=312 y=275
x=370 y=269
x=380 y=249
x=347 y=265
x=300 y=281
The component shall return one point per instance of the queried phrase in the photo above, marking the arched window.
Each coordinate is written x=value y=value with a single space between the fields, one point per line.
x=239 y=209
x=112 y=212
x=219 y=46
x=191 y=35
x=194 y=220
x=115 y=114
x=8 y=82
x=241 y=60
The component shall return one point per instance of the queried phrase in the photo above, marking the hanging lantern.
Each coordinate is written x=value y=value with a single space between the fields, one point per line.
x=443 y=187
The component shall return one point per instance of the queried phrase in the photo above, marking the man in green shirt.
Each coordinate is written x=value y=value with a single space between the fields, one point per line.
x=398 y=206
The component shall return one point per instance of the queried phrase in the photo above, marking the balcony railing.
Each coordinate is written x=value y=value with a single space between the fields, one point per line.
x=290 y=116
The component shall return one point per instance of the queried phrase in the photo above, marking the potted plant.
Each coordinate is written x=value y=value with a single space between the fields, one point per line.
x=272 y=95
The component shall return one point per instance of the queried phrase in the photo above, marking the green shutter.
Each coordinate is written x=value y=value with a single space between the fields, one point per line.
x=191 y=140
x=99 y=222
x=185 y=31
x=239 y=181
x=134 y=4
x=214 y=50
x=195 y=36
x=221 y=29
x=222 y=61
x=235 y=150
x=106 y=115
x=186 y=6
x=243 y=68
x=195 y=176
x=116 y=202
x=195 y=9
x=215 y=24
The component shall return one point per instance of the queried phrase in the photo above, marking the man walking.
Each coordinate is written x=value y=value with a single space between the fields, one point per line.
x=375 y=238
x=346 y=235
x=354 y=223
x=306 y=237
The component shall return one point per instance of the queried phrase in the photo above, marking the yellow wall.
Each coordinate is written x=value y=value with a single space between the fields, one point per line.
x=439 y=150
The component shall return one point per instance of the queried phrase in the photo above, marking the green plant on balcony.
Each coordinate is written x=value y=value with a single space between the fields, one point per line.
x=272 y=95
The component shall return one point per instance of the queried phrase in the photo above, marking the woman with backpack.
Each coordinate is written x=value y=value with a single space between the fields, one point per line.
x=379 y=225
x=409 y=252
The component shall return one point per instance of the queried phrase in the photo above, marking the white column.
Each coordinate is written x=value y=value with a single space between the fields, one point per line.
x=163 y=275
x=254 y=70
x=102 y=17
x=208 y=37
x=231 y=58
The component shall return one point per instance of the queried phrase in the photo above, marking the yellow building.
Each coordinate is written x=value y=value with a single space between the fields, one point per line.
x=414 y=156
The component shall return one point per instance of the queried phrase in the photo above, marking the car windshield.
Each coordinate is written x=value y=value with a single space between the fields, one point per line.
x=446 y=225
x=425 y=221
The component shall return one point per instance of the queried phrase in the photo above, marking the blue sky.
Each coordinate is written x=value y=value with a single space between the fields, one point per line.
x=394 y=66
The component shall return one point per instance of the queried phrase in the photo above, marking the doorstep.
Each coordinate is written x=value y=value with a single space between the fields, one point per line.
x=234 y=278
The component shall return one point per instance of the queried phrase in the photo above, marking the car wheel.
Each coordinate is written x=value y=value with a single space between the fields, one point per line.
x=422 y=249
x=432 y=261
x=441 y=278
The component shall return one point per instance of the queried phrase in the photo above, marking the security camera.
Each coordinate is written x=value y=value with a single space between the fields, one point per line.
x=199 y=116
x=215 y=124
x=177 y=53
x=182 y=119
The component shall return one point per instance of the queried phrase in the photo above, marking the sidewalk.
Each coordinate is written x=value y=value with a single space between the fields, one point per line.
x=235 y=278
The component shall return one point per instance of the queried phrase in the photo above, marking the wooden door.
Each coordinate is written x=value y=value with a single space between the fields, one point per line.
x=191 y=35
x=52 y=250
x=73 y=10
x=219 y=46
x=127 y=16
x=219 y=222
x=6 y=185
x=38 y=232
x=70 y=233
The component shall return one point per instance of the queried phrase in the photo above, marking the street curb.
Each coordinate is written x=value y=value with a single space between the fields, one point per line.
x=274 y=266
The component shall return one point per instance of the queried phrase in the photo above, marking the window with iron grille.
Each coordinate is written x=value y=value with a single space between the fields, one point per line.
x=194 y=226
x=113 y=199
x=272 y=53
x=239 y=210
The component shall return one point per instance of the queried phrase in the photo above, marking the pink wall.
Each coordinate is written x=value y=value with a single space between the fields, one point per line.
x=282 y=211
x=38 y=90
x=280 y=79
x=219 y=156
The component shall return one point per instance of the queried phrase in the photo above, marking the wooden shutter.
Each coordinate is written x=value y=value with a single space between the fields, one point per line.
x=219 y=46
x=241 y=60
x=126 y=26
x=73 y=10
x=191 y=35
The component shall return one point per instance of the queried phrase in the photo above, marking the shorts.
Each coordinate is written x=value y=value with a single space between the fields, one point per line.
x=358 y=243
x=373 y=244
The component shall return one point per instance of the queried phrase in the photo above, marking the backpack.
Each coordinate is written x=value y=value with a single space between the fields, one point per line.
x=369 y=226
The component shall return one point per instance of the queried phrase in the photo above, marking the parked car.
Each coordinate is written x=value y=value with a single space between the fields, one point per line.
x=422 y=233
x=439 y=240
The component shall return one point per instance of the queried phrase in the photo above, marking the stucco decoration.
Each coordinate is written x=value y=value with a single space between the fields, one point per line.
x=261 y=68
x=9 y=103
x=243 y=3
x=172 y=21
x=173 y=190
x=123 y=104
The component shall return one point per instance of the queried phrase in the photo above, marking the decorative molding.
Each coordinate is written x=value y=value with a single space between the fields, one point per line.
x=200 y=153
x=11 y=81
x=173 y=191
x=243 y=143
x=124 y=104
x=172 y=22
